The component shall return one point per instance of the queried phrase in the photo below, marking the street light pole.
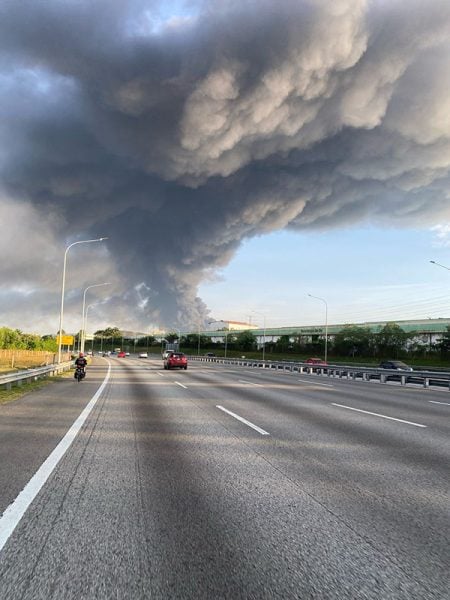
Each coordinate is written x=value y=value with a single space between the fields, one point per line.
x=83 y=316
x=220 y=321
x=326 y=322
x=61 y=313
x=439 y=265
x=179 y=340
x=86 y=316
x=264 y=335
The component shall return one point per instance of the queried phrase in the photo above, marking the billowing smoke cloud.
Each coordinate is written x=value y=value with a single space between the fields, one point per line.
x=180 y=137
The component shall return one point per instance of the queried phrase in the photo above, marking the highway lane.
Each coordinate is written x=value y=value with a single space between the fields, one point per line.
x=164 y=495
x=385 y=477
x=32 y=426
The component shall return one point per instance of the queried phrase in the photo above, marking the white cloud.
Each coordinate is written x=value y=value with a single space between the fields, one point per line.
x=442 y=235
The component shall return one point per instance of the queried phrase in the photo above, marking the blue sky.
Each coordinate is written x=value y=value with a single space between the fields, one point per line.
x=365 y=274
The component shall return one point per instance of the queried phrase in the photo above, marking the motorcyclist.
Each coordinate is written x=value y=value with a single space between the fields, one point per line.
x=80 y=363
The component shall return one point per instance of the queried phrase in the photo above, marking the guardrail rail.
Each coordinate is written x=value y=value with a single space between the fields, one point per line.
x=29 y=375
x=349 y=372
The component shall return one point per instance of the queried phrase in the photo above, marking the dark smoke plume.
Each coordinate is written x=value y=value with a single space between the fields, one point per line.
x=181 y=138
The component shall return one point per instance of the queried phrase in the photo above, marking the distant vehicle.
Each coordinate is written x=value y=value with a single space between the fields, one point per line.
x=317 y=362
x=396 y=365
x=121 y=355
x=175 y=360
x=167 y=353
x=127 y=354
x=210 y=354
x=89 y=353
x=143 y=355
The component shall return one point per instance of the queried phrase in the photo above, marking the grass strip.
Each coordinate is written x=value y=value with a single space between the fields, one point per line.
x=17 y=391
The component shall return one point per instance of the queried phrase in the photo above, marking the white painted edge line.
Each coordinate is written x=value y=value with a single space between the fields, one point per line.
x=436 y=402
x=316 y=383
x=378 y=415
x=181 y=385
x=255 y=427
x=15 y=511
x=249 y=382
x=160 y=374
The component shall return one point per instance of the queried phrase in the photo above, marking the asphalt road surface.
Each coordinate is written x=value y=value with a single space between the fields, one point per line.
x=222 y=482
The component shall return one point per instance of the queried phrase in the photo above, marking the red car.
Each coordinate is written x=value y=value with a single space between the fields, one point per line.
x=121 y=355
x=175 y=359
x=317 y=362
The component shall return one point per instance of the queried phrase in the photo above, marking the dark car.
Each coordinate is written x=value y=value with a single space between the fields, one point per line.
x=210 y=354
x=175 y=360
x=396 y=365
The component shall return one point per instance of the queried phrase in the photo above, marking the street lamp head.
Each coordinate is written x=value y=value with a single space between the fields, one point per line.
x=433 y=261
x=102 y=239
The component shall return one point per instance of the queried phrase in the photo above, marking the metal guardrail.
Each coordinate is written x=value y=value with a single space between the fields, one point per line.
x=29 y=375
x=349 y=372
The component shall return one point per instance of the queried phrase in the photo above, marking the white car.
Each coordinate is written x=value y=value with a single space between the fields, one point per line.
x=143 y=355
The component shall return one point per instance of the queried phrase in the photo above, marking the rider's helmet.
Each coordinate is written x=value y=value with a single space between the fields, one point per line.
x=81 y=355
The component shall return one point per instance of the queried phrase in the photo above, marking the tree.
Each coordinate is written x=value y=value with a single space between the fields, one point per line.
x=109 y=332
x=16 y=339
x=149 y=340
x=283 y=344
x=443 y=343
x=392 y=339
x=171 y=337
x=353 y=340
x=246 y=340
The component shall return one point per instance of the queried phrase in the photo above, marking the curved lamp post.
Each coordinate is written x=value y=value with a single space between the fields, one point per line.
x=61 y=314
x=439 y=265
x=83 y=316
x=326 y=322
x=86 y=317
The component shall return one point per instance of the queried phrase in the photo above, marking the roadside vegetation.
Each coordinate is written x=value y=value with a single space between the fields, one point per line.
x=353 y=344
x=19 y=350
x=17 y=340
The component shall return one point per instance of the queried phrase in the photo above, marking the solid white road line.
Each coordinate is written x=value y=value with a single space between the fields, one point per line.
x=249 y=382
x=16 y=510
x=436 y=402
x=160 y=374
x=378 y=415
x=181 y=385
x=255 y=427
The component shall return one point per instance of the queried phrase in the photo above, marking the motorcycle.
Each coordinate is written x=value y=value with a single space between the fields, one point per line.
x=79 y=374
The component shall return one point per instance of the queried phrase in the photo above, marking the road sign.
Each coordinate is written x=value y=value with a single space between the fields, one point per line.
x=66 y=340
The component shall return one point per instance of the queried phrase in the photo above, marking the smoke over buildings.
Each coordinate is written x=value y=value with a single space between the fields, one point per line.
x=178 y=138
